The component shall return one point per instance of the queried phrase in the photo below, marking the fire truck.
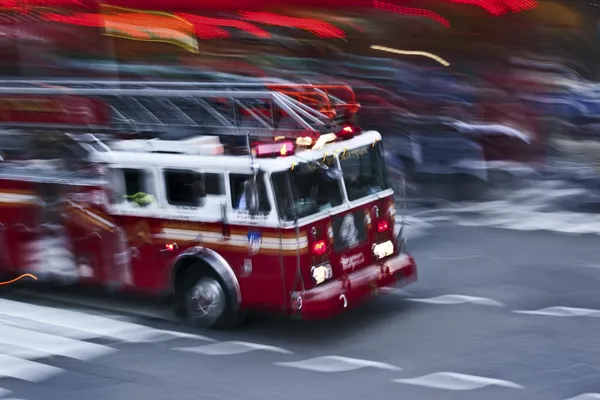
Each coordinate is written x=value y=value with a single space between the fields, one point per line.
x=228 y=197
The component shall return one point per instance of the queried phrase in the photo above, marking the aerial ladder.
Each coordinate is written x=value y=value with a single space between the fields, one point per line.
x=160 y=108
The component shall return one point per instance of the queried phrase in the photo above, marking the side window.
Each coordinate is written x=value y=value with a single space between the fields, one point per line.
x=236 y=181
x=214 y=184
x=136 y=188
x=184 y=188
x=134 y=182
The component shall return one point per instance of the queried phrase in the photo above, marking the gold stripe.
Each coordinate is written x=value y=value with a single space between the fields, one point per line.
x=237 y=248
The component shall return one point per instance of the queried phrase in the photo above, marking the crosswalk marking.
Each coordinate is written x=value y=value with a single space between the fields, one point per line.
x=31 y=333
x=75 y=321
x=51 y=345
x=18 y=368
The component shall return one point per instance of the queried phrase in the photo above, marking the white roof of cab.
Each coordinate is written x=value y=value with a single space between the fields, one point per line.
x=228 y=162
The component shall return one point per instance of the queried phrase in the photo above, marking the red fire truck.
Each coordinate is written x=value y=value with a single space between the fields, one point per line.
x=229 y=197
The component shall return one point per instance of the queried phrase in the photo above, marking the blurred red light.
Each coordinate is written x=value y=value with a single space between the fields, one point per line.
x=413 y=12
x=321 y=29
x=279 y=149
x=319 y=248
x=241 y=25
x=382 y=226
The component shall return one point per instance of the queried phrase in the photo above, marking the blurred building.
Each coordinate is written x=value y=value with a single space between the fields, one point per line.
x=465 y=35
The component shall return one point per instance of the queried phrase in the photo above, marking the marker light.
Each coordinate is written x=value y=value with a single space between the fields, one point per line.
x=279 y=149
x=319 y=248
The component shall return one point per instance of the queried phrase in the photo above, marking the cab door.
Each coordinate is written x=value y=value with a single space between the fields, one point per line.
x=255 y=244
x=137 y=210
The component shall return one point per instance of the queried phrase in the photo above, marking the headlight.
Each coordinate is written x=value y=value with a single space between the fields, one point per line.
x=384 y=249
x=321 y=273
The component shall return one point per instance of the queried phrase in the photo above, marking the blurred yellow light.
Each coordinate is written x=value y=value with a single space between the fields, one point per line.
x=412 y=53
x=149 y=26
x=323 y=140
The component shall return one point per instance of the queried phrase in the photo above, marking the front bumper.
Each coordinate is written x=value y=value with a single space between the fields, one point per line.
x=334 y=297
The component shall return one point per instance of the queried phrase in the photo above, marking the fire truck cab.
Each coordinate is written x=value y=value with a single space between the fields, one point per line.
x=297 y=219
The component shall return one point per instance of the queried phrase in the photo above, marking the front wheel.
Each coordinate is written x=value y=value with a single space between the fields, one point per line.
x=206 y=302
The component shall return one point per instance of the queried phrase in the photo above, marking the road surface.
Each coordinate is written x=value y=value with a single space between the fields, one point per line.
x=496 y=314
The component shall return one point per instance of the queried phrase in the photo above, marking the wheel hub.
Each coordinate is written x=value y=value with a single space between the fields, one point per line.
x=206 y=300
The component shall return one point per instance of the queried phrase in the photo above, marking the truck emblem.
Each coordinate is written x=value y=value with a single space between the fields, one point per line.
x=254 y=242
x=348 y=231
x=352 y=261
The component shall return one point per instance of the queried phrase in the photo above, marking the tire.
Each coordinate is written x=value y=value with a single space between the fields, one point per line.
x=205 y=300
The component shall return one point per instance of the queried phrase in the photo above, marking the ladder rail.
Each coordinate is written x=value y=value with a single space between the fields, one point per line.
x=257 y=108
x=289 y=89
x=307 y=118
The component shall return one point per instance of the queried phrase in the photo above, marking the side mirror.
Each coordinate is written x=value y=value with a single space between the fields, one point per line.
x=251 y=197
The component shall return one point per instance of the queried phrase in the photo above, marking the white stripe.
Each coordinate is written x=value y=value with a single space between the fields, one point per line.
x=4 y=392
x=13 y=367
x=455 y=381
x=44 y=344
x=458 y=299
x=562 y=312
x=232 y=348
x=337 y=364
x=586 y=396
x=17 y=198
x=74 y=321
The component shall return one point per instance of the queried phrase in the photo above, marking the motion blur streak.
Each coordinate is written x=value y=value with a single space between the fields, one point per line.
x=18 y=279
x=413 y=12
x=412 y=53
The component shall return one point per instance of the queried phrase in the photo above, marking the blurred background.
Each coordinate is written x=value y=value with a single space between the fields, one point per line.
x=491 y=111
x=469 y=94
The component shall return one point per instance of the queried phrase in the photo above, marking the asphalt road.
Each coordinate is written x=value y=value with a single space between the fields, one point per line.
x=469 y=329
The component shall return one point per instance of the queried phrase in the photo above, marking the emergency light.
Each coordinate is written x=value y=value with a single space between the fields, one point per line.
x=279 y=149
x=347 y=131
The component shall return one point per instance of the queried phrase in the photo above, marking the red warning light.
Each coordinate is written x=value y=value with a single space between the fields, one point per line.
x=279 y=149
x=319 y=248
x=382 y=226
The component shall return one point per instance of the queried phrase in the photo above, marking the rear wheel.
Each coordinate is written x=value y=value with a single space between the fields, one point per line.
x=205 y=300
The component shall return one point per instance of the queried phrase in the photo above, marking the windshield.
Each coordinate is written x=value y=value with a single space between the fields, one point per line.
x=364 y=171
x=305 y=190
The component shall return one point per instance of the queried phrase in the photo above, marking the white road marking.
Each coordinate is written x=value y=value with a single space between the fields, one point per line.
x=168 y=335
x=231 y=348
x=415 y=227
x=562 y=312
x=73 y=323
x=43 y=344
x=337 y=364
x=458 y=299
x=586 y=396
x=13 y=367
x=455 y=381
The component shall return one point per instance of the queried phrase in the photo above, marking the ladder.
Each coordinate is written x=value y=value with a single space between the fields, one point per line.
x=250 y=109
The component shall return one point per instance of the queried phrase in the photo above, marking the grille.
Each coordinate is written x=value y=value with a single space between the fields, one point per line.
x=349 y=231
